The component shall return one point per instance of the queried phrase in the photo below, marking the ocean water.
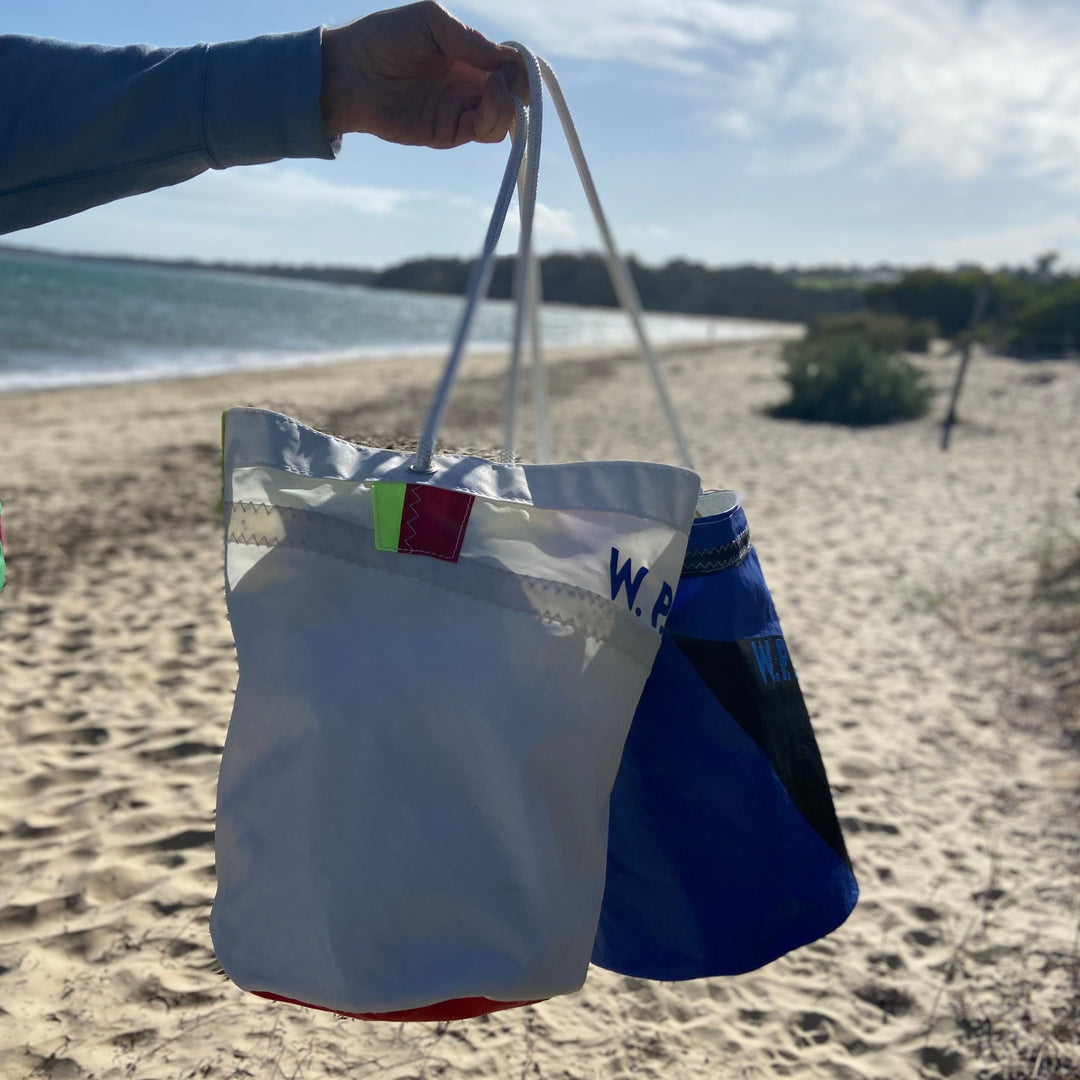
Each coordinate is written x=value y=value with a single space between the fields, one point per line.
x=67 y=322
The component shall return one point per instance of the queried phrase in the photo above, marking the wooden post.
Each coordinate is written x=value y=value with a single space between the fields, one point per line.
x=977 y=310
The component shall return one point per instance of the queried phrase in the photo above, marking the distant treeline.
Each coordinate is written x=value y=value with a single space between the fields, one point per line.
x=748 y=292
x=1028 y=312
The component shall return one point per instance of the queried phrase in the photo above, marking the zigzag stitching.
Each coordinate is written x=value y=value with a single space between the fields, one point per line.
x=601 y=629
x=698 y=568
x=708 y=560
x=406 y=543
x=597 y=618
x=719 y=550
x=291 y=542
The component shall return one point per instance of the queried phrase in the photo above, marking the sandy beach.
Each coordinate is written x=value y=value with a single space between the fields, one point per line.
x=904 y=578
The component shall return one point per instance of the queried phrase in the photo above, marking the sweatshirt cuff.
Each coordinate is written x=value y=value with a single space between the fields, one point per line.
x=261 y=100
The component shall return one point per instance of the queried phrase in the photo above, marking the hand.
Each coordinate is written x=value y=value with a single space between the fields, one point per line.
x=417 y=76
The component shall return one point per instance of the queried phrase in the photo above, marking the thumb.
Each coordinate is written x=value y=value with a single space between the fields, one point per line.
x=460 y=42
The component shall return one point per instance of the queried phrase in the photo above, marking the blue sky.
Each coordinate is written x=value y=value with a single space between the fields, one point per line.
x=782 y=131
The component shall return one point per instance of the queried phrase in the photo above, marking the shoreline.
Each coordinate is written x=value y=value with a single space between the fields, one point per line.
x=414 y=365
x=254 y=361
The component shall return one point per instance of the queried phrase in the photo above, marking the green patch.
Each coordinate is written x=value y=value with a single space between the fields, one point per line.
x=388 y=504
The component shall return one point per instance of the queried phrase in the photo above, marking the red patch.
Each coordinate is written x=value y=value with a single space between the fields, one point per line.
x=433 y=522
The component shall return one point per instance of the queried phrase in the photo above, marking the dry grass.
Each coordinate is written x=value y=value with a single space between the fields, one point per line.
x=1058 y=626
x=1031 y=1032
x=1016 y=1006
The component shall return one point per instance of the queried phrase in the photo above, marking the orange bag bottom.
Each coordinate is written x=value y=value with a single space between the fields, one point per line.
x=455 y=1009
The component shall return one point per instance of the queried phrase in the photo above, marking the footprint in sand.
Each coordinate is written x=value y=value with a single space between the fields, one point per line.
x=889 y=999
x=14 y=916
x=181 y=841
x=179 y=751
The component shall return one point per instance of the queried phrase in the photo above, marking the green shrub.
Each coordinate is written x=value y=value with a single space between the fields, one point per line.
x=947 y=298
x=847 y=379
x=1050 y=325
x=891 y=332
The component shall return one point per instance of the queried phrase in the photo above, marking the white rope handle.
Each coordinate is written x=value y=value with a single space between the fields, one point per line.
x=479 y=282
x=524 y=266
x=533 y=299
x=539 y=374
x=522 y=169
x=621 y=279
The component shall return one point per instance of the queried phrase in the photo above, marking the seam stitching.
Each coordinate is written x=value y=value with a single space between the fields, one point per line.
x=69 y=178
x=579 y=626
x=412 y=505
x=464 y=522
x=602 y=610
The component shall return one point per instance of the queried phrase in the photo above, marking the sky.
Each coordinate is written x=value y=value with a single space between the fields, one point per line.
x=787 y=132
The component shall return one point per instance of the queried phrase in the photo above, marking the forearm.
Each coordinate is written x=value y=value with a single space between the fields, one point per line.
x=81 y=125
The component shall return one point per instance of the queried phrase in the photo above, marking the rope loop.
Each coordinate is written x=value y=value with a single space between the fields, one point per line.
x=522 y=172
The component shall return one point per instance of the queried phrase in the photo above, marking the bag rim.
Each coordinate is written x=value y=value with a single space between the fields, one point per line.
x=653 y=491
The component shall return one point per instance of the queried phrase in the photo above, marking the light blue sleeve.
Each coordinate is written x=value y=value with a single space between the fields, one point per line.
x=81 y=125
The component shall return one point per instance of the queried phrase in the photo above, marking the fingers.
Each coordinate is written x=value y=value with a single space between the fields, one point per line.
x=516 y=79
x=461 y=42
x=496 y=111
x=481 y=114
x=418 y=76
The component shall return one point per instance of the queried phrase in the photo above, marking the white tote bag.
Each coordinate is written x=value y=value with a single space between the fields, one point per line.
x=439 y=660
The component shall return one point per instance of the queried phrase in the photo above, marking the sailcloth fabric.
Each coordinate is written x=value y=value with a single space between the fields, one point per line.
x=439 y=660
x=413 y=797
x=724 y=849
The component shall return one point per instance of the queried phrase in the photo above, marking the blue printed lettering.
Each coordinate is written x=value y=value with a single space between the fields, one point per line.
x=764 y=657
x=786 y=673
x=621 y=579
x=663 y=603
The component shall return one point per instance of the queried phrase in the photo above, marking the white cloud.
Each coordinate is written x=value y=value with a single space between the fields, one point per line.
x=275 y=191
x=551 y=226
x=942 y=84
x=673 y=34
x=651 y=231
x=1012 y=245
x=736 y=122
x=952 y=86
x=279 y=212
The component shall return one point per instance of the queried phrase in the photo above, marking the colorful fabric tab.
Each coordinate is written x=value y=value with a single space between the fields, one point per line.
x=434 y=521
x=418 y=519
x=388 y=501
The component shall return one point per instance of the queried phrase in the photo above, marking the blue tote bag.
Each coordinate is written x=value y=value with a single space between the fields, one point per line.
x=724 y=851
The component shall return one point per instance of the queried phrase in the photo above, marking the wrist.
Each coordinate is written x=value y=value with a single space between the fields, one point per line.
x=260 y=100
x=332 y=95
